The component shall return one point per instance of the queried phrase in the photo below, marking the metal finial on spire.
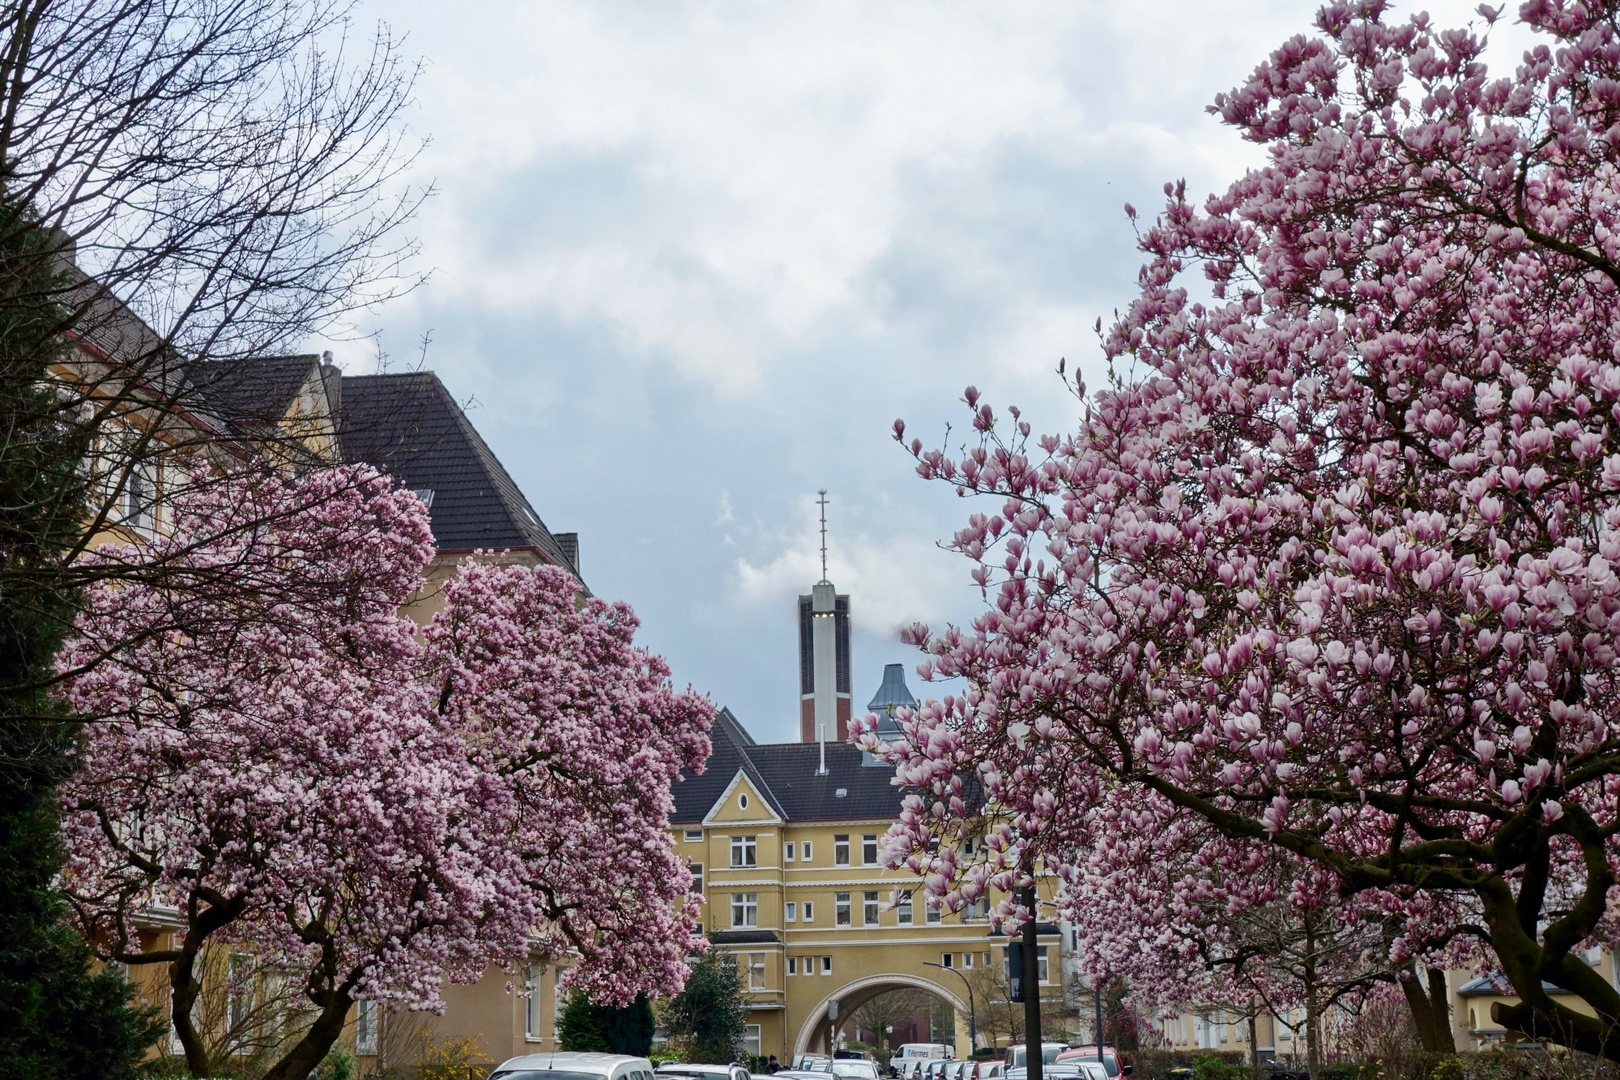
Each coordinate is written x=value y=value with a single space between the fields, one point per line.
x=822 y=502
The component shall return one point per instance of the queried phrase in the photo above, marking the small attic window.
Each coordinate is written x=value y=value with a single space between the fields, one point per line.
x=742 y=801
x=841 y=792
x=425 y=494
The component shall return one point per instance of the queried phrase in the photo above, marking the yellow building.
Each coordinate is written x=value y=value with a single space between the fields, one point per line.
x=784 y=845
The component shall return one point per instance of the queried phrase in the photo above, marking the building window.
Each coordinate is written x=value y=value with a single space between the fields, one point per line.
x=967 y=959
x=902 y=910
x=793 y=965
x=932 y=911
x=841 y=850
x=697 y=878
x=1040 y=960
x=869 y=908
x=744 y=909
x=787 y=851
x=742 y=851
x=742 y=801
x=809 y=911
x=826 y=965
x=869 y=850
x=976 y=910
x=365 y=1027
x=559 y=1002
x=694 y=836
x=532 y=978
x=751 y=1040
x=947 y=960
x=805 y=851
x=790 y=911
x=841 y=909
x=239 y=997
x=756 y=971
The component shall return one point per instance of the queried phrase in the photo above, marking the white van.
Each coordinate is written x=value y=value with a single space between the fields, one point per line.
x=923 y=1050
x=574 y=1066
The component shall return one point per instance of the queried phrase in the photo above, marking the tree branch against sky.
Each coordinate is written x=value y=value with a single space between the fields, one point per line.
x=1328 y=562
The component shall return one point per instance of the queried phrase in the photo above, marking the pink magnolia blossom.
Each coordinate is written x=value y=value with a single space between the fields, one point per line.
x=1343 y=530
x=371 y=808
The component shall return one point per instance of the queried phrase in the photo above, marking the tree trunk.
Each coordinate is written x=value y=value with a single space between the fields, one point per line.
x=307 y=1053
x=1313 y=1044
x=1431 y=1012
x=1254 y=1037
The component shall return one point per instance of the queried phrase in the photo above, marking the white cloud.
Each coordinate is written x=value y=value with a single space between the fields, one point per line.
x=894 y=578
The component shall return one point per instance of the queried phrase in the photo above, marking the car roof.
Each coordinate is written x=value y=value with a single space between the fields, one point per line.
x=570 y=1059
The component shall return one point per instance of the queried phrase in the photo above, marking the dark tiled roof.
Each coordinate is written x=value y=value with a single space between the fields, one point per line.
x=744 y=937
x=1495 y=984
x=252 y=395
x=410 y=426
x=785 y=774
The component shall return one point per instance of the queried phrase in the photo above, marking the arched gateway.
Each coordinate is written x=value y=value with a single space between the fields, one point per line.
x=815 y=1034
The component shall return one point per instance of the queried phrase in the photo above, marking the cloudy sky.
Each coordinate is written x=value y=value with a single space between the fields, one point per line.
x=691 y=259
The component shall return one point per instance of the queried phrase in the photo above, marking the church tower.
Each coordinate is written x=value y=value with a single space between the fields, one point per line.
x=824 y=674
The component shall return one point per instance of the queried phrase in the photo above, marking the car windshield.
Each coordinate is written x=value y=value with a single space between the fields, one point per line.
x=545 y=1074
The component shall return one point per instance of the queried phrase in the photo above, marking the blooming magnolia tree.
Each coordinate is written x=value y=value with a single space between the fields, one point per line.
x=1330 y=563
x=370 y=809
x=1188 y=918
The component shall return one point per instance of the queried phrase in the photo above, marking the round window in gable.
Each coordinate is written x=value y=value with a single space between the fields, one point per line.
x=742 y=801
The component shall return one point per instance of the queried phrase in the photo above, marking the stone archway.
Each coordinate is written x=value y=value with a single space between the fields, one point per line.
x=852 y=995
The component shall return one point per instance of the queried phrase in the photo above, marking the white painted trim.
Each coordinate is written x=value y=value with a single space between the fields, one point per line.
x=709 y=820
x=818 y=1015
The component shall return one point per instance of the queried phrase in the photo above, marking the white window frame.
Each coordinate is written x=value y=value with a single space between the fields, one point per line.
x=933 y=915
x=744 y=907
x=870 y=907
x=826 y=965
x=694 y=836
x=806 y=851
x=967 y=959
x=869 y=849
x=790 y=911
x=756 y=971
x=365 y=1028
x=902 y=910
x=947 y=961
x=744 y=852
x=841 y=849
x=751 y=1040
x=793 y=965
x=807 y=911
x=697 y=877
x=788 y=850
x=843 y=910
x=533 y=977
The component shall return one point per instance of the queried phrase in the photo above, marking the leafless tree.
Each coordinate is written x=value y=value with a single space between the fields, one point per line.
x=887 y=1010
x=183 y=184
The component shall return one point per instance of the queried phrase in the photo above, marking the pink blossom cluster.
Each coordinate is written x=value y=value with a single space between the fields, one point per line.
x=1330 y=564
x=373 y=808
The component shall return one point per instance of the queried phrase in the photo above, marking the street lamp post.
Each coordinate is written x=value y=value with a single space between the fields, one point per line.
x=973 y=1019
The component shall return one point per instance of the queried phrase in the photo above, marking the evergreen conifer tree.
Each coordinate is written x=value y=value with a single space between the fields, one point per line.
x=58 y=1018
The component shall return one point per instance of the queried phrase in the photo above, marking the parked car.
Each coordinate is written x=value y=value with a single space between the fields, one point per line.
x=681 y=1071
x=989 y=1070
x=1049 y=1053
x=578 y=1066
x=1110 y=1059
x=807 y=1062
x=855 y=1069
x=960 y=1069
x=1049 y=1070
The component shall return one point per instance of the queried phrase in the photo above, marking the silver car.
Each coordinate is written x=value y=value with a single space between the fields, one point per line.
x=574 y=1066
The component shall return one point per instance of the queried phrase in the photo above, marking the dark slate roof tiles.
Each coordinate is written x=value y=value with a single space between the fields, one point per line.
x=410 y=426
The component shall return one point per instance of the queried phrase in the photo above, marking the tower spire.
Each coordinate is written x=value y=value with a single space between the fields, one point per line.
x=822 y=502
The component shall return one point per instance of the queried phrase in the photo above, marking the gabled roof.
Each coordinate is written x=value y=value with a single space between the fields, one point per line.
x=409 y=425
x=253 y=395
x=785 y=776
